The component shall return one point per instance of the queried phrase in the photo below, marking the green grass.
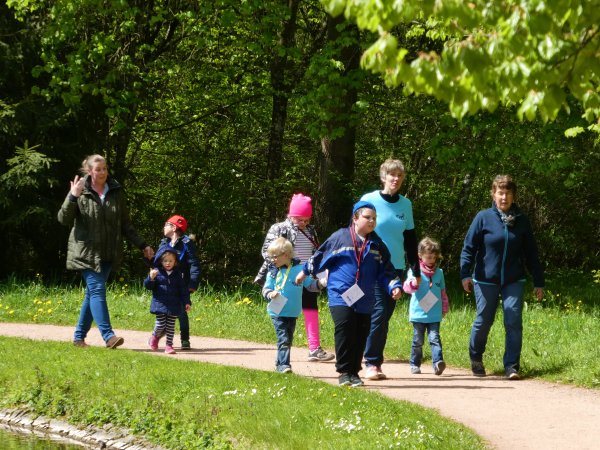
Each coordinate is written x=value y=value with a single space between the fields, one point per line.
x=189 y=405
x=559 y=333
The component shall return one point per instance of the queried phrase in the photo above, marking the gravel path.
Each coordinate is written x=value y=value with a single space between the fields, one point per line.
x=522 y=414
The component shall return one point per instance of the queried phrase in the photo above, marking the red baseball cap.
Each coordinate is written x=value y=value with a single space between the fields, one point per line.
x=179 y=222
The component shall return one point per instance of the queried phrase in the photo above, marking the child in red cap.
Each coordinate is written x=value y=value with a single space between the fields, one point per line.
x=175 y=238
x=297 y=229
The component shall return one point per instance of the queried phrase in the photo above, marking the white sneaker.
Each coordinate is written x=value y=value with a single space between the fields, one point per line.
x=374 y=373
x=320 y=355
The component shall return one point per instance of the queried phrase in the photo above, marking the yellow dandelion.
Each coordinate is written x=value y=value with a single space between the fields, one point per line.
x=121 y=279
x=11 y=312
x=49 y=302
x=49 y=311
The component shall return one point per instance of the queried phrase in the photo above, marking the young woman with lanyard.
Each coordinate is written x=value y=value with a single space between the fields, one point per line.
x=357 y=259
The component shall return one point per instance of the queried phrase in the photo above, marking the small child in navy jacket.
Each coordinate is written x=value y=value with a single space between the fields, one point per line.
x=170 y=296
x=285 y=297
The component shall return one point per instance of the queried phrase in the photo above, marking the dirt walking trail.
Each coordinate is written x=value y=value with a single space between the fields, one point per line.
x=522 y=414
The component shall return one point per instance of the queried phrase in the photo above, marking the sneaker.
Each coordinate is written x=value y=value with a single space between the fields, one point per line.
x=355 y=381
x=477 y=368
x=439 y=367
x=80 y=343
x=153 y=343
x=512 y=374
x=287 y=369
x=415 y=370
x=344 y=379
x=185 y=345
x=169 y=350
x=320 y=355
x=114 y=342
x=375 y=373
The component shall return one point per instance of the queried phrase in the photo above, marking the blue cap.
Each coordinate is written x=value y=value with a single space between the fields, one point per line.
x=362 y=204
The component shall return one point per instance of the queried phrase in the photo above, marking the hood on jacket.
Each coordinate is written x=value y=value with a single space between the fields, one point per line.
x=161 y=251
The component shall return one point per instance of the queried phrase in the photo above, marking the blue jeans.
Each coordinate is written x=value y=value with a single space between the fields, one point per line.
x=380 y=319
x=94 y=306
x=284 y=330
x=435 y=342
x=487 y=297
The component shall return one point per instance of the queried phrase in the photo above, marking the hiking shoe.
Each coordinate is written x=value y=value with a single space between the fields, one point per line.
x=344 y=379
x=512 y=374
x=320 y=355
x=415 y=370
x=153 y=343
x=477 y=368
x=114 y=342
x=169 y=350
x=80 y=343
x=185 y=345
x=355 y=381
x=439 y=367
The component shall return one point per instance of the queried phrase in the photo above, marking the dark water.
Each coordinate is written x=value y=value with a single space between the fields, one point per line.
x=13 y=441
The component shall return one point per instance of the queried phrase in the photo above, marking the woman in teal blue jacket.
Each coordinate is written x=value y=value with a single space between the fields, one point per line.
x=498 y=249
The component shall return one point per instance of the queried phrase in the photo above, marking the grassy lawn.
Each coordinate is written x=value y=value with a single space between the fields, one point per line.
x=188 y=405
x=559 y=333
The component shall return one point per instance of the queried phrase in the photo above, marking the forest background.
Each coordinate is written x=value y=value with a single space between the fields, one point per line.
x=220 y=111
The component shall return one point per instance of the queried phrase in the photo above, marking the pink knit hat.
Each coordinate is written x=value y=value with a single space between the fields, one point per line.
x=300 y=206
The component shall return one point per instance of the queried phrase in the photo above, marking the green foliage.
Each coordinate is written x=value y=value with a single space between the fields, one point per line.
x=527 y=53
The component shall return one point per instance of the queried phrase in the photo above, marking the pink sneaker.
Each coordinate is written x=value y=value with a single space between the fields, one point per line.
x=153 y=343
x=169 y=350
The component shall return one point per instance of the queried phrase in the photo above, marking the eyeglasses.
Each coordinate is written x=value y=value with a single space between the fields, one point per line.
x=370 y=218
x=277 y=256
x=169 y=224
x=301 y=219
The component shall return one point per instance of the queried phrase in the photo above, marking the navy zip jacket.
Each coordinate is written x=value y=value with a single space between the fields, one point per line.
x=496 y=253
x=170 y=292
x=187 y=259
x=337 y=255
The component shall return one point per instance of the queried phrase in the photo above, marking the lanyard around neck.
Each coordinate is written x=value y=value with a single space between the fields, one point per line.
x=279 y=287
x=358 y=254
x=310 y=238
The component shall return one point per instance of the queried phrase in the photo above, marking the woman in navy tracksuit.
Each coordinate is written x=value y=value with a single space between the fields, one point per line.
x=498 y=247
x=356 y=259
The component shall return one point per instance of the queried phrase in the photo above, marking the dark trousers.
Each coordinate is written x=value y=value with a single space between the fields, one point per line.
x=351 y=331
x=184 y=326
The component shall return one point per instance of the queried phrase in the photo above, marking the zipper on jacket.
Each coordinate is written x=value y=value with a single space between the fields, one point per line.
x=504 y=254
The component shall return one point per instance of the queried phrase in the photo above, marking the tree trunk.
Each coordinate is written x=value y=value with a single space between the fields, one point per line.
x=338 y=145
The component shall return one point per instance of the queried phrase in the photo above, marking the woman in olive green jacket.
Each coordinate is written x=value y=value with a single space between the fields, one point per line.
x=96 y=211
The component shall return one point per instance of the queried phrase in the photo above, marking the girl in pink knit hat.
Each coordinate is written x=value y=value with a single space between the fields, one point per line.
x=298 y=230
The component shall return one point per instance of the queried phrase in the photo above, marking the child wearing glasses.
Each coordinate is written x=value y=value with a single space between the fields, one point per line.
x=357 y=259
x=428 y=303
x=170 y=296
x=285 y=297
x=175 y=238
x=298 y=230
